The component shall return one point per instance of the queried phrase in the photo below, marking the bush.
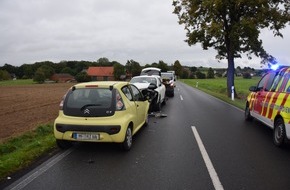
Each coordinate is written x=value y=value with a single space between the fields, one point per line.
x=200 y=75
x=247 y=75
x=39 y=76
x=83 y=77
x=4 y=75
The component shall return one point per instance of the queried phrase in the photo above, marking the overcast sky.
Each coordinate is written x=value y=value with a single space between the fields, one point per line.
x=120 y=30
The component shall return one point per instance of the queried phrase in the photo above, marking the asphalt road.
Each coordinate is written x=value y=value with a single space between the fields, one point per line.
x=203 y=143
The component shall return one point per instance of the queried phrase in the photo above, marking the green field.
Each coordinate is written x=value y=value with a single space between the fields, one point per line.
x=218 y=88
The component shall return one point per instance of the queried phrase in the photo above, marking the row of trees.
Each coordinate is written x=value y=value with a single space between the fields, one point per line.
x=41 y=71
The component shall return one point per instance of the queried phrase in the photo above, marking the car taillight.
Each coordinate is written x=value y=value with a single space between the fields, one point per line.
x=119 y=102
x=61 y=103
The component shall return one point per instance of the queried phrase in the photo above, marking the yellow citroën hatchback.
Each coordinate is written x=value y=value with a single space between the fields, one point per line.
x=105 y=111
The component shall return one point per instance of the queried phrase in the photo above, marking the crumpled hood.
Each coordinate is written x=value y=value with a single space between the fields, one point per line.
x=141 y=86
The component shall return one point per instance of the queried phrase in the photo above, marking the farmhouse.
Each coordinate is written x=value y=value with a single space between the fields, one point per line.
x=62 y=77
x=101 y=73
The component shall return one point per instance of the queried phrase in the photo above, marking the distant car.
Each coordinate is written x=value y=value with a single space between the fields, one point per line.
x=168 y=81
x=101 y=112
x=150 y=71
x=269 y=102
x=143 y=82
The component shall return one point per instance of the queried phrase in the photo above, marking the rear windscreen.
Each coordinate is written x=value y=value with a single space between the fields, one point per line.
x=89 y=102
x=151 y=72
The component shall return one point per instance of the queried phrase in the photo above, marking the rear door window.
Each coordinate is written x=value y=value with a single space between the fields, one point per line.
x=89 y=102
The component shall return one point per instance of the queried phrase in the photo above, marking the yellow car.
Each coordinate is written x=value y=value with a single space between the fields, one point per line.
x=269 y=102
x=106 y=111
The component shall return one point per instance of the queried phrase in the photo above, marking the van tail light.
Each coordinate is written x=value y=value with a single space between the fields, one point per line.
x=119 y=102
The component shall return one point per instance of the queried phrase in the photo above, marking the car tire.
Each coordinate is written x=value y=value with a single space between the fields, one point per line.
x=279 y=133
x=157 y=106
x=248 y=116
x=164 y=101
x=146 y=120
x=127 y=144
x=63 y=144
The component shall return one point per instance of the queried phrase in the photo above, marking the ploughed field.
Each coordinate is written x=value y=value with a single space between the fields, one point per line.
x=24 y=107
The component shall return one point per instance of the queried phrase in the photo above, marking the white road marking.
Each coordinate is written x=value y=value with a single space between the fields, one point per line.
x=213 y=175
x=181 y=98
x=40 y=171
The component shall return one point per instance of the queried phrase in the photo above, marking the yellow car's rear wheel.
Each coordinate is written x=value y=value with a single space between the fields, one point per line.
x=127 y=144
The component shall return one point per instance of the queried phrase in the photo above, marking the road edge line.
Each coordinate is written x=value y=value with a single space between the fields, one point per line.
x=37 y=173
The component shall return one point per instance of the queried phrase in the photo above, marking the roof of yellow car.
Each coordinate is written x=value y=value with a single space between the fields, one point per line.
x=101 y=84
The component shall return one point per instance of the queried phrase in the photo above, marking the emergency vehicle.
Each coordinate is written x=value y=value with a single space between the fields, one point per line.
x=269 y=102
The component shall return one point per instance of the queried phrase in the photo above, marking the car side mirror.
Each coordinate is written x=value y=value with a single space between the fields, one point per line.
x=253 y=89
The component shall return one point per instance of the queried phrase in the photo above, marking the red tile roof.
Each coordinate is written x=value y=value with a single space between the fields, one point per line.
x=101 y=71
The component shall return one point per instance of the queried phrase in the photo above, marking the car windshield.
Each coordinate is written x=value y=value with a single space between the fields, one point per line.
x=144 y=80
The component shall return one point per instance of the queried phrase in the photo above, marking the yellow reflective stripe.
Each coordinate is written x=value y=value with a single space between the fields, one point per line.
x=277 y=105
x=267 y=105
x=264 y=103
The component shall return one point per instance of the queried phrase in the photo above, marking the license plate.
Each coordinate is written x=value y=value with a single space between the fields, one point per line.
x=86 y=136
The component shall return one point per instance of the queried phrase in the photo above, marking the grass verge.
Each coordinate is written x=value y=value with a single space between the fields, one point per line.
x=18 y=153
x=218 y=88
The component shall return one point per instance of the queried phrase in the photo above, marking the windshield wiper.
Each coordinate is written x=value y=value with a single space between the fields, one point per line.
x=89 y=105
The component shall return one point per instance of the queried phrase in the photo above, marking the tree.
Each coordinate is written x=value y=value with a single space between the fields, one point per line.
x=232 y=27
x=83 y=77
x=27 y=71
x=119 y=70
x=104 y=62
x=210 y=73
x=47 y=70
x=4 y=75
x=133 y=67
x=185 y=74
x=177 y=68
x=200 y=75
x=163 y=66
x=68 y=70
x=39 y=76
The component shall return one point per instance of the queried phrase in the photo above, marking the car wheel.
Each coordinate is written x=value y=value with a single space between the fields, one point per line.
x=248 y=116
x=146 y=120
x=127 y=144
x=279 y=134
x=157 y=106
x=164 y=101
x=63 y=144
